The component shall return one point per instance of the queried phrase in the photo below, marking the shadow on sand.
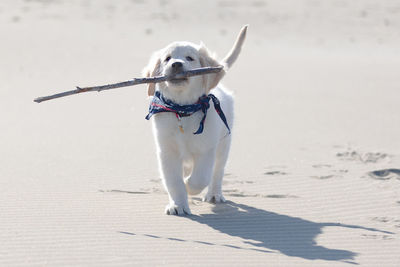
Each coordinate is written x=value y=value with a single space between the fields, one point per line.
x=291 y=236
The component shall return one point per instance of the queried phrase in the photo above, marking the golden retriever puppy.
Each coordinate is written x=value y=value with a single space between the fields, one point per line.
x=192 y=120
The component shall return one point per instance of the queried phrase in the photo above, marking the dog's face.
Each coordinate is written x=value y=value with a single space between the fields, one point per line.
x=178 y=57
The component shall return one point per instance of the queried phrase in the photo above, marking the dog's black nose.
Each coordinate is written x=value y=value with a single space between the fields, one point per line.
x=177 y=65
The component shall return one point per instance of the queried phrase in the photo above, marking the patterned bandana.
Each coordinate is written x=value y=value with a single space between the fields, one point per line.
x=160 y=104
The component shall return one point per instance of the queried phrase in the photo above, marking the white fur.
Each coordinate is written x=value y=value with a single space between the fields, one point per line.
x=202 y=157
x=189 y=163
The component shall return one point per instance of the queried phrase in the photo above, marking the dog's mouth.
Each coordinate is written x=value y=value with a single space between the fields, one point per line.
x=178 y=80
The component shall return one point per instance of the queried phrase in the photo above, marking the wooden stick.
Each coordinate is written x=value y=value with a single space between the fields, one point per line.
x=135 y=81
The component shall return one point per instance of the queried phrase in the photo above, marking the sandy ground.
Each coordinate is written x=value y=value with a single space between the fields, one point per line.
x=314 y=172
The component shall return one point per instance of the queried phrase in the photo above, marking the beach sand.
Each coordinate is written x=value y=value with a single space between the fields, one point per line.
x=313 y=177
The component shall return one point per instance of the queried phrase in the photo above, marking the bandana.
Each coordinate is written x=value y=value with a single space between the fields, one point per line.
x=160 y=104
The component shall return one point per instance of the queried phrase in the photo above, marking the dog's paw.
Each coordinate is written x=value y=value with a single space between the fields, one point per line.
x=173 y=209
x=214 y=198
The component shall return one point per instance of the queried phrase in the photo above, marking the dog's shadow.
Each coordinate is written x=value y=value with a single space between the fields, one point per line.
x=291 y=236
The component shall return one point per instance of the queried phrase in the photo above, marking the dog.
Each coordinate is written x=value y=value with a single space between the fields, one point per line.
x=192 y=135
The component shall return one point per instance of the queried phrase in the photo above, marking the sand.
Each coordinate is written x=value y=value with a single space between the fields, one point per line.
x=313 y=177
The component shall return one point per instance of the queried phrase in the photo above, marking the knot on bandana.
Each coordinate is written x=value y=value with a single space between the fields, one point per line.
x=160 y=104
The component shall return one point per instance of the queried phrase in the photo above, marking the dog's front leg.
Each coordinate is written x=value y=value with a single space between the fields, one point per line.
x=171 y=174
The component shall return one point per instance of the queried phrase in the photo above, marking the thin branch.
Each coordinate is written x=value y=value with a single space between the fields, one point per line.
x=135 y=81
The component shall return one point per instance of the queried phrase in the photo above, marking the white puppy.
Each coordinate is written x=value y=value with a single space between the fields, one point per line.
x=192 y=137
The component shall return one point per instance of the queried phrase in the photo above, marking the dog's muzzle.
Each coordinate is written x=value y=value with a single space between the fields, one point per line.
x=175 y=68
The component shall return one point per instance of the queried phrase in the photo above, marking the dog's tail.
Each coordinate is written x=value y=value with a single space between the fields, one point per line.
x=231 y=57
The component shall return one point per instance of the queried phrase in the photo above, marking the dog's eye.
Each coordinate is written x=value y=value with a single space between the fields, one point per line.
x=167 y=59
x=189 y=58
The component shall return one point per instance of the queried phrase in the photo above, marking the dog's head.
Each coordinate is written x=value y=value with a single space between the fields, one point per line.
x=182 y=56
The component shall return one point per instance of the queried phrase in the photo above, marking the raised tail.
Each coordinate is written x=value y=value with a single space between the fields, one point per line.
x=231 y=57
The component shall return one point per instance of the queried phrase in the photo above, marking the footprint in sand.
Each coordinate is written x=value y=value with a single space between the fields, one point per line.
x=385 y=174
x=323 y=177
x=237 y=193
x=369 y=157
x=319 y=166
x=275 y=173
x=395 y=222
x=328 y=173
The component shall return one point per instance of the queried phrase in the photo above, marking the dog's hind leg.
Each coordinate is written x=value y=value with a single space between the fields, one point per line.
x=187 y=168
x=202 y=172
x=214 y=193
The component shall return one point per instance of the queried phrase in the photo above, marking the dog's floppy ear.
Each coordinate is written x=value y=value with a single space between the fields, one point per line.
x=152 y=69
x=206 y=60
